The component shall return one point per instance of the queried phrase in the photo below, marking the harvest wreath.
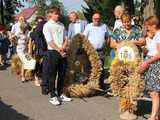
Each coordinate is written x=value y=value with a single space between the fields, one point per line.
x=84 y=68
x=125 y=81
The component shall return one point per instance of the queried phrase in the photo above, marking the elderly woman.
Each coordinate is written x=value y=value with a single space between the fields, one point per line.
x=151 y=66
x=127 y=32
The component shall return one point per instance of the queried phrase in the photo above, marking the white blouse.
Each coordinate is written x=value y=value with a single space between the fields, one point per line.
x=152 y=46
x=22 y=41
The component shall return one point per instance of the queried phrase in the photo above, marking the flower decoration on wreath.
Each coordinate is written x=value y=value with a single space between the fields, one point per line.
x=124 y=79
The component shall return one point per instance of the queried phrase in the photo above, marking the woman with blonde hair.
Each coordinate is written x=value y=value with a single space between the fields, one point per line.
x=21 y=48
x=151 y=66
x=127 y=32
x=16 y=27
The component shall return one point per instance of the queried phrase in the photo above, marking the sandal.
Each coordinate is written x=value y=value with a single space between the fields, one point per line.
x=37 y=82
x=23 y=80
x=152 y=118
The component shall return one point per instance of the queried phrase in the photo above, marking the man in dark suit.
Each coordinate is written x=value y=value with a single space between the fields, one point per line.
x=41 y=51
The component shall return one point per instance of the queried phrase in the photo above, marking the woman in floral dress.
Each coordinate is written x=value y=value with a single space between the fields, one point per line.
x=151 y=66
x=127 y=32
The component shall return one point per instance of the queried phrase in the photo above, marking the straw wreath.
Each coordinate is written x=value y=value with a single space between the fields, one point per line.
x=125 y=81
x=91 y=84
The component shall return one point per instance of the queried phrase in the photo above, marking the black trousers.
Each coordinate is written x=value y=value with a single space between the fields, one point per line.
x=45 y=71
x=57 y=71
x=42 y=69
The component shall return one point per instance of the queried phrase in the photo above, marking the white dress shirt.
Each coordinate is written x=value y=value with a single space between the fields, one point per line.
x=54 y=31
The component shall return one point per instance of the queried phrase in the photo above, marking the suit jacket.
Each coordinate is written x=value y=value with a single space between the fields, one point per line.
x=38 y=37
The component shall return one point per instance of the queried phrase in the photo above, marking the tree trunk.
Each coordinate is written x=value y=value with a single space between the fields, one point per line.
x=2 y=11
x=157 y=7
x=149 y=8
x=129 y=6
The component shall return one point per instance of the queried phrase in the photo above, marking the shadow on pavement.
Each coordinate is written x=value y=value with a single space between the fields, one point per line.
x=8 y=113
x=4 y=67
x=144 y=108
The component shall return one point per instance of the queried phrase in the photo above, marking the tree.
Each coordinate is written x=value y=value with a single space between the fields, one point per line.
x=8 y=8
x=143 y=8
x=129 y=6
x=157 y=7
x=64 y=18
x=42 y=6
x=81 y=15
x=105 y=7
x=2 y=12
x=150 y=7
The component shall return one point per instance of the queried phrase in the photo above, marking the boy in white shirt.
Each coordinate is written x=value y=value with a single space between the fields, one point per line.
x=54 y=33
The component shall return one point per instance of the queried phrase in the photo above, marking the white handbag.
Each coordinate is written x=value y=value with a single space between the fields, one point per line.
x=29 y=63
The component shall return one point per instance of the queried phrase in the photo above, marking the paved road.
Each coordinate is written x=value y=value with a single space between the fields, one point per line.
x=23 y=101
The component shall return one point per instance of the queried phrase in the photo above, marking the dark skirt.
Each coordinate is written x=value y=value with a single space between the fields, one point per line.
x=152 y=76
x=4 y=44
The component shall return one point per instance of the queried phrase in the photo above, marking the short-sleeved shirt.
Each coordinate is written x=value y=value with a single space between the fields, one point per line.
x=54 y=31
x=96 y=35
x=77 y=27
x=152 y=47
x=120 y=34
x=16 y=28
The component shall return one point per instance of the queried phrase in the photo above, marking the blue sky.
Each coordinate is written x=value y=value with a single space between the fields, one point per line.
x=73 y=4
x=70 y=5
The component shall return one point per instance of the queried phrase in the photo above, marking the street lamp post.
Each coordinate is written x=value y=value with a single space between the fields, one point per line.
x=2 y=11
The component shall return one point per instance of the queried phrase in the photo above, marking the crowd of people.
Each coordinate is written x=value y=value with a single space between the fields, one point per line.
x=49 y=40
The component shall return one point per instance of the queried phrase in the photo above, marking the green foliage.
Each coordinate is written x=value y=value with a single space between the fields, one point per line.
x=64 y=18
x=9 y=8
x=81 y=15
x=105 y=7
x=43 y=5
x=157 y=7
x=129 y=6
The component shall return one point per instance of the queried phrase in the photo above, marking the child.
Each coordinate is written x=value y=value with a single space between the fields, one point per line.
x=54 y=33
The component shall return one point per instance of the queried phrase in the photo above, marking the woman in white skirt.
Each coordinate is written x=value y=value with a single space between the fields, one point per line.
x=21 y=49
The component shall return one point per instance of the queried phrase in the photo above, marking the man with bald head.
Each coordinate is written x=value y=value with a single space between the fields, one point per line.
x=97 y=33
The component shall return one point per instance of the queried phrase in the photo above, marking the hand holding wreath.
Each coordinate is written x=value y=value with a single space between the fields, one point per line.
x=143 y=66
